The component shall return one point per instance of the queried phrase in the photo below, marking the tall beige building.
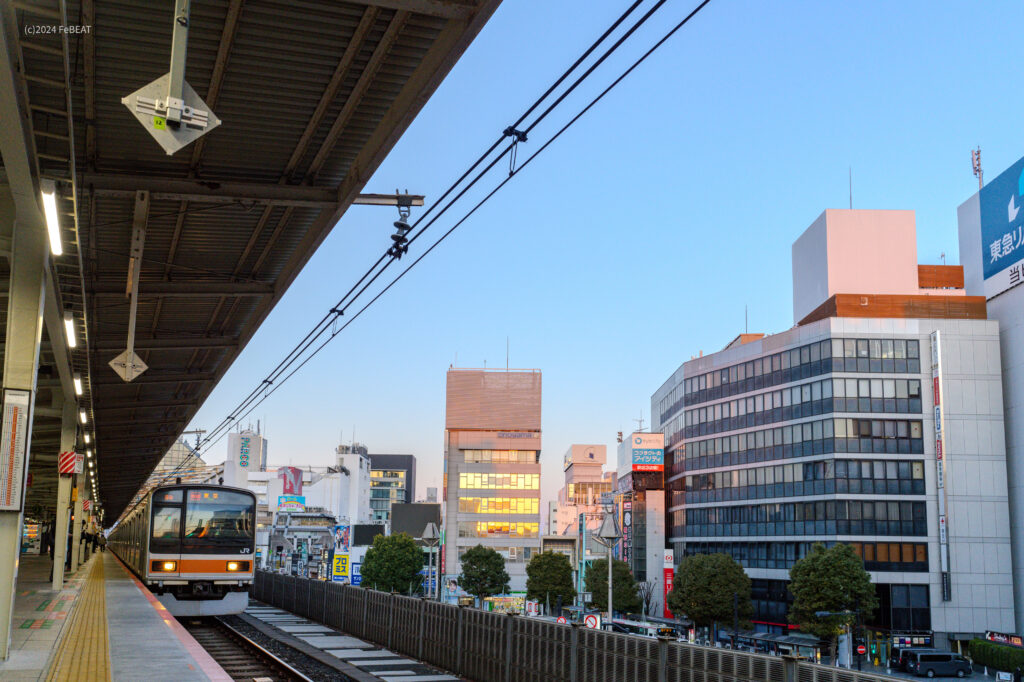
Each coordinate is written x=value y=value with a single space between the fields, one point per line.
x=492 y=468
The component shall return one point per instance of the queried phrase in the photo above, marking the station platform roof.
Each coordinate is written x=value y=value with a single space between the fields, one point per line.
x=312 y=95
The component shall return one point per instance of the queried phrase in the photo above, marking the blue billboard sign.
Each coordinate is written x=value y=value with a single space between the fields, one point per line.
x=648 y=450
x=1002 y=230
x=357 y=577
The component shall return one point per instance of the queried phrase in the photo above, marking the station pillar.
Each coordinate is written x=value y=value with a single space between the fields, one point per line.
x=68 y=435
x=29 y=253
x=76 y=534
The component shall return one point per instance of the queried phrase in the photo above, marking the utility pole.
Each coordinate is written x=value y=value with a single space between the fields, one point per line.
x=976 y=165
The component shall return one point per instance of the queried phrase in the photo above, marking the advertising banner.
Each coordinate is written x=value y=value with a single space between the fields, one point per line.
x=342 y=533
x=648 y=451
x=292 y=477
x=291 y=503
x=357 y=577
x=242 y=458
x=669 y=576
x=339 y=571
x=1002 y=230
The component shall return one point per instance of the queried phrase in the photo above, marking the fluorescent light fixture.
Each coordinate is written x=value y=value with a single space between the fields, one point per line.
x=49 y=191
x=90 y=464
x=78 y=391
x=88 y=453
x=87 y=439
x=82 y=416
x=69 y=328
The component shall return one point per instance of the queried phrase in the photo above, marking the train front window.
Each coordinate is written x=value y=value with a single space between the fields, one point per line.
x=166 y=522
x=218 y=518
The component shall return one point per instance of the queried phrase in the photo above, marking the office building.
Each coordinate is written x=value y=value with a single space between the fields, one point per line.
x=491 y=492
x=641 y=506
x=992 y=252
x=876 y=421
x=392 y=481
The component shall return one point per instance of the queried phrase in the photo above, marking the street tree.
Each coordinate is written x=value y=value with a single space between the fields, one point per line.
x=646 y=591
x=483 y=573
x=549 y=576
x=393 y=564
x=703 y=590
x=831 y=580
x=624 y=592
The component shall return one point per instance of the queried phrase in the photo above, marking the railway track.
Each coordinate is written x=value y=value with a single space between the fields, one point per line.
x=240 y=657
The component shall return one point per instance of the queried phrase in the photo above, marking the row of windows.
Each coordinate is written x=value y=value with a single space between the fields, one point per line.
x=806 y=400
x=900 y=356
x=497 y=529
x=499 y=505
x=483 y=481
x=884 y=477
x=587 y=492
x=892 y=436
x=877 y=556
x=824 y=517
x=501 y=456
x=509 y=554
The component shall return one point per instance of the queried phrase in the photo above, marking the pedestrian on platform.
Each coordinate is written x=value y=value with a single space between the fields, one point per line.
x=102 y=540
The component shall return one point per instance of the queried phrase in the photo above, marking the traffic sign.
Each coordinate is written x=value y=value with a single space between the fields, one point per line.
x=592 y=621
x=861 y=649
x=561 y=619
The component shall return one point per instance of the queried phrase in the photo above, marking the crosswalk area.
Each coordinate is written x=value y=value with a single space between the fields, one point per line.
x=378 y=662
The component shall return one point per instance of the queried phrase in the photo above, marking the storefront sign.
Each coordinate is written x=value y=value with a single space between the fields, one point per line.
x=340 y=568
x=669 y=576
x=291 y=503
x=1004 y=638
x=648 y=450
x=940 y=466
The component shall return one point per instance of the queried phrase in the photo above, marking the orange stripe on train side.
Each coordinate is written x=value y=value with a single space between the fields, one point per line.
x=209 y=566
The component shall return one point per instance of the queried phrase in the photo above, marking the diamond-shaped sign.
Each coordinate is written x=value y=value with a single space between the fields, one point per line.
x=128 y=367
x=147 y=103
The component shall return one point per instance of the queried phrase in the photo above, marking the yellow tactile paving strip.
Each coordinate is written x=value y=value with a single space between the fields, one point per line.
x=84 y=651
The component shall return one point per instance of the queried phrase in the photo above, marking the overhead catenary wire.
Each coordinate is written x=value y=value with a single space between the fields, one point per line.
x=336 y=311
x=513 y=172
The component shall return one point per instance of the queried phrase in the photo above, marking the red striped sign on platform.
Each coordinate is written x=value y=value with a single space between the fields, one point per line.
x=66 y=463
x=86 y=505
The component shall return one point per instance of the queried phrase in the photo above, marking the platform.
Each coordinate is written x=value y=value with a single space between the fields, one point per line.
x=104 y=625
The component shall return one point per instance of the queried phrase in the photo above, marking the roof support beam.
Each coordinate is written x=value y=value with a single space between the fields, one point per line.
x=143 y=405
x=208 y=191
x=150 y=378
x=447 y=9
x=186 y=289
x=104 y=345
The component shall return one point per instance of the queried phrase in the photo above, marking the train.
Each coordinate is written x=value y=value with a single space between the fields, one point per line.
x=193 y=546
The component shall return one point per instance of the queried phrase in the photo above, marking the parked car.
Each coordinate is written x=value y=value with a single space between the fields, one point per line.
x=899 y=657
x=938 y=664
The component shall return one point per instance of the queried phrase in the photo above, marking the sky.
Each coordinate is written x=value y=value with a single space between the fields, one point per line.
x=640 y=237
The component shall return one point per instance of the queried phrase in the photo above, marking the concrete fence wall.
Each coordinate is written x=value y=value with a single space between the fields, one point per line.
x=493 y=647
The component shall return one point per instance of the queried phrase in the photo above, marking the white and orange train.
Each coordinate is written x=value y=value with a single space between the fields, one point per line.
x=193 y=546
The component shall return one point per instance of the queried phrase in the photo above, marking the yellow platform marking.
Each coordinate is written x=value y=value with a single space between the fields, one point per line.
x=84 y=651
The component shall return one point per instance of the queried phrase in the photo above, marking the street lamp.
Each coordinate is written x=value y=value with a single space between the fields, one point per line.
x=431 y=537
x=608 y=535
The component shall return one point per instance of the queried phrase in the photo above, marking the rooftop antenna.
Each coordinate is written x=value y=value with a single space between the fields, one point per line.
x=851 y=188
x=640 y=422
x=943 y=257
x=976 y=165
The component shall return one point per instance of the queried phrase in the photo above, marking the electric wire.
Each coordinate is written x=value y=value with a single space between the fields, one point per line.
x=482 y=201
x=328 y=319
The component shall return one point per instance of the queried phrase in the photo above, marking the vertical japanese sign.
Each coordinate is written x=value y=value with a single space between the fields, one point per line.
x=13 y=439
x=340 y=568
x=940 y=466
x=670 y=574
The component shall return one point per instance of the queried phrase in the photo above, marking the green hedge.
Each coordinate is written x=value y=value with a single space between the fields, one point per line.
x=998 y=656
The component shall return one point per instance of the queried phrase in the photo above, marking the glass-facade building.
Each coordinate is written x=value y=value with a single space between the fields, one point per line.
x=392 y=481
x=832 y=432
x=491 y=491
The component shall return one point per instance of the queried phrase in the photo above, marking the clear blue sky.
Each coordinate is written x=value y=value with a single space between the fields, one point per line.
x=636 y=240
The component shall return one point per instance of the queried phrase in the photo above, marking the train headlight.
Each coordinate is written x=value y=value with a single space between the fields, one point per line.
x=165 y=566
x=233 y=566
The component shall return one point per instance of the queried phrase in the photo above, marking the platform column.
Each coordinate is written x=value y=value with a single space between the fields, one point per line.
x=76 y=533
x=21 y=364
x=68 y=435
